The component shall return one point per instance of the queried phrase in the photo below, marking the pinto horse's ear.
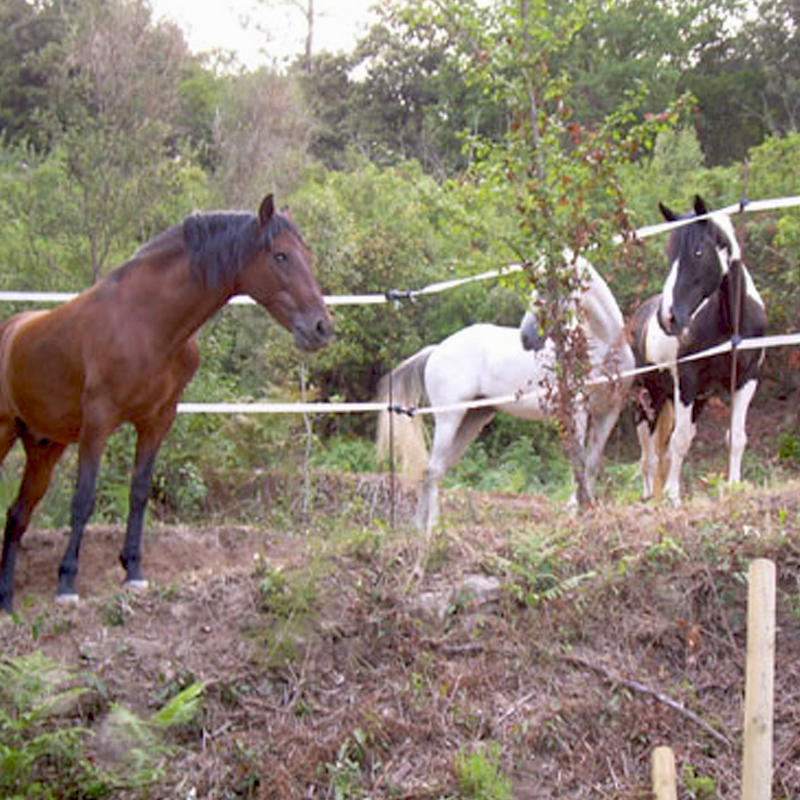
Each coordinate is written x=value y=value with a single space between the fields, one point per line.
x=669 y=216
x=266 y=211
x=700 y=206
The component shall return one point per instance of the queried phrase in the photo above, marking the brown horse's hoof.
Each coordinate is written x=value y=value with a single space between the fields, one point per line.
x=137 y=586
x=68 y=599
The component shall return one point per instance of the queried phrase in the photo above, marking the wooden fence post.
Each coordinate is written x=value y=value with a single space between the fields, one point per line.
x=759 y=682
x=664 y=782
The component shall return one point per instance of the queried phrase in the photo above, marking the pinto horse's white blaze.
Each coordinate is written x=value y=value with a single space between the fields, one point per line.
x=667 y=296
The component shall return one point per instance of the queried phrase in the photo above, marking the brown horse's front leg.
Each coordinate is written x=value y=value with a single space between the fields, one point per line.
x=150 y=437
x=131 y=556
x=83 y=501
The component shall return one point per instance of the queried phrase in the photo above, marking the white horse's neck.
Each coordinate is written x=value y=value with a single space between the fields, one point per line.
x=602 y=314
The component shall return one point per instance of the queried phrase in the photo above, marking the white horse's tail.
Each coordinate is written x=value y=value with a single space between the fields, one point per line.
x=407 y=431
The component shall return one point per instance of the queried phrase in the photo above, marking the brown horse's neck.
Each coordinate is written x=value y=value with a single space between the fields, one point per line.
x=158 y=283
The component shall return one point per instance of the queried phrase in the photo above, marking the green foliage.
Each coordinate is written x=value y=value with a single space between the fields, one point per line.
x=138 y=746
x=346 y=454
x=698 y=787
x=535 y=563
x=346 y=774
x=514 y=456
x=41 y=750
x=480 y=776
x=371 y=231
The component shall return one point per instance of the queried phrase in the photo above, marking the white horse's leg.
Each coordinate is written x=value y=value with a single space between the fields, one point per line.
x=679 y=445
x=581 y=431
x=445 y=430
x=600 y=427
x=738 y=434
x=649 y=461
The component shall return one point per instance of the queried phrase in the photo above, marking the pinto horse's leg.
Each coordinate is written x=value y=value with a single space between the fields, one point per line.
x=648 y=463
x=682 y=436
x=738 y=433
x=147 y=446
x=661 y=436
x=41 y=459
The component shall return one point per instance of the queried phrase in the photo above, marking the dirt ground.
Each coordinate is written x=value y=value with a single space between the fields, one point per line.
x=332 y=670
x=565 y=645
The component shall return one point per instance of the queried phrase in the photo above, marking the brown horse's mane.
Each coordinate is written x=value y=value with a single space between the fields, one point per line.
x=220 y=243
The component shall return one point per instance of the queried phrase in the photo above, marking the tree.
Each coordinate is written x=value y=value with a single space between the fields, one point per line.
x=773 y=43
x=401 y=95
x=114 y=97
x=262 y=135
x=621 y=44
x=31 y=44
x=556 y=179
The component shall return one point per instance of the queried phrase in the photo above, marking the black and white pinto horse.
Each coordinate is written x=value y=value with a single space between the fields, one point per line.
x=708 y=298
x=490 y=361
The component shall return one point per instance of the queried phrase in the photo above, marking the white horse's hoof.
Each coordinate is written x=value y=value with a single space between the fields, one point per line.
x=68 y=599
x=141 y=585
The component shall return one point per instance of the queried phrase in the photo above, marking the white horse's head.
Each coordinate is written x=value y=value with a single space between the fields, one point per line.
x=590 y=304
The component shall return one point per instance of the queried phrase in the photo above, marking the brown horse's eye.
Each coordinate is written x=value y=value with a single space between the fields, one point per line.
x=281 y=258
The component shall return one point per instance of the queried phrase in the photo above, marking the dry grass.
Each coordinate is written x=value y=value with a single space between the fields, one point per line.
x=330 y=672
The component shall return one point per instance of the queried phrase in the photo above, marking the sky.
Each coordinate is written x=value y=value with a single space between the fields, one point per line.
x=266 y=32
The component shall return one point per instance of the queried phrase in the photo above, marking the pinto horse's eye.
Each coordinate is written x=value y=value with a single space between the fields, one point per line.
x=698 y=253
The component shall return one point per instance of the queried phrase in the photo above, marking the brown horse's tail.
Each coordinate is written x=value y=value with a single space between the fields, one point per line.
x=663 y=432
x=404 y=433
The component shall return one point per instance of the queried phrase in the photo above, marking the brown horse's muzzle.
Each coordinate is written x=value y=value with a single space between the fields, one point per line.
x=313 y=330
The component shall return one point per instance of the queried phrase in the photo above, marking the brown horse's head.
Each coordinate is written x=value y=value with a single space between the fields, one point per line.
x=279 y=277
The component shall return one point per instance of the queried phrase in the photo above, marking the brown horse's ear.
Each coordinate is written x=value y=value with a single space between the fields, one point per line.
x=266 y=211
x=700 y=206
x=669 y=216
x=286 y=212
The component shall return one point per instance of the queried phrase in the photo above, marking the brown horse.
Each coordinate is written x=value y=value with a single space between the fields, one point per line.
x=125 y=349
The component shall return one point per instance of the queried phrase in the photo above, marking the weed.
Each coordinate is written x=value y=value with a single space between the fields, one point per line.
x=480 y=777
x=116 y=611
x=698 y=787
x=347 y=772
x=666 y=551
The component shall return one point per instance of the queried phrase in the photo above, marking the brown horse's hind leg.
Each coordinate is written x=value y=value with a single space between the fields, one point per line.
x=41 y=459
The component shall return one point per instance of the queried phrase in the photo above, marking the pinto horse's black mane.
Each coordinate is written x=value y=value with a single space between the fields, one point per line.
x=220 y=244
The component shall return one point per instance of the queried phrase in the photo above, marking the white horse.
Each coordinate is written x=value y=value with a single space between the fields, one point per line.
x=487 y=361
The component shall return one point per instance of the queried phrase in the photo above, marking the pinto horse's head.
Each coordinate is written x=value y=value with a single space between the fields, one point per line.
x=280 y=278
x=700 y=256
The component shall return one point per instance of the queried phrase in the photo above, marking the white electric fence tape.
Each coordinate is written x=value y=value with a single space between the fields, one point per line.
x=764 y=342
